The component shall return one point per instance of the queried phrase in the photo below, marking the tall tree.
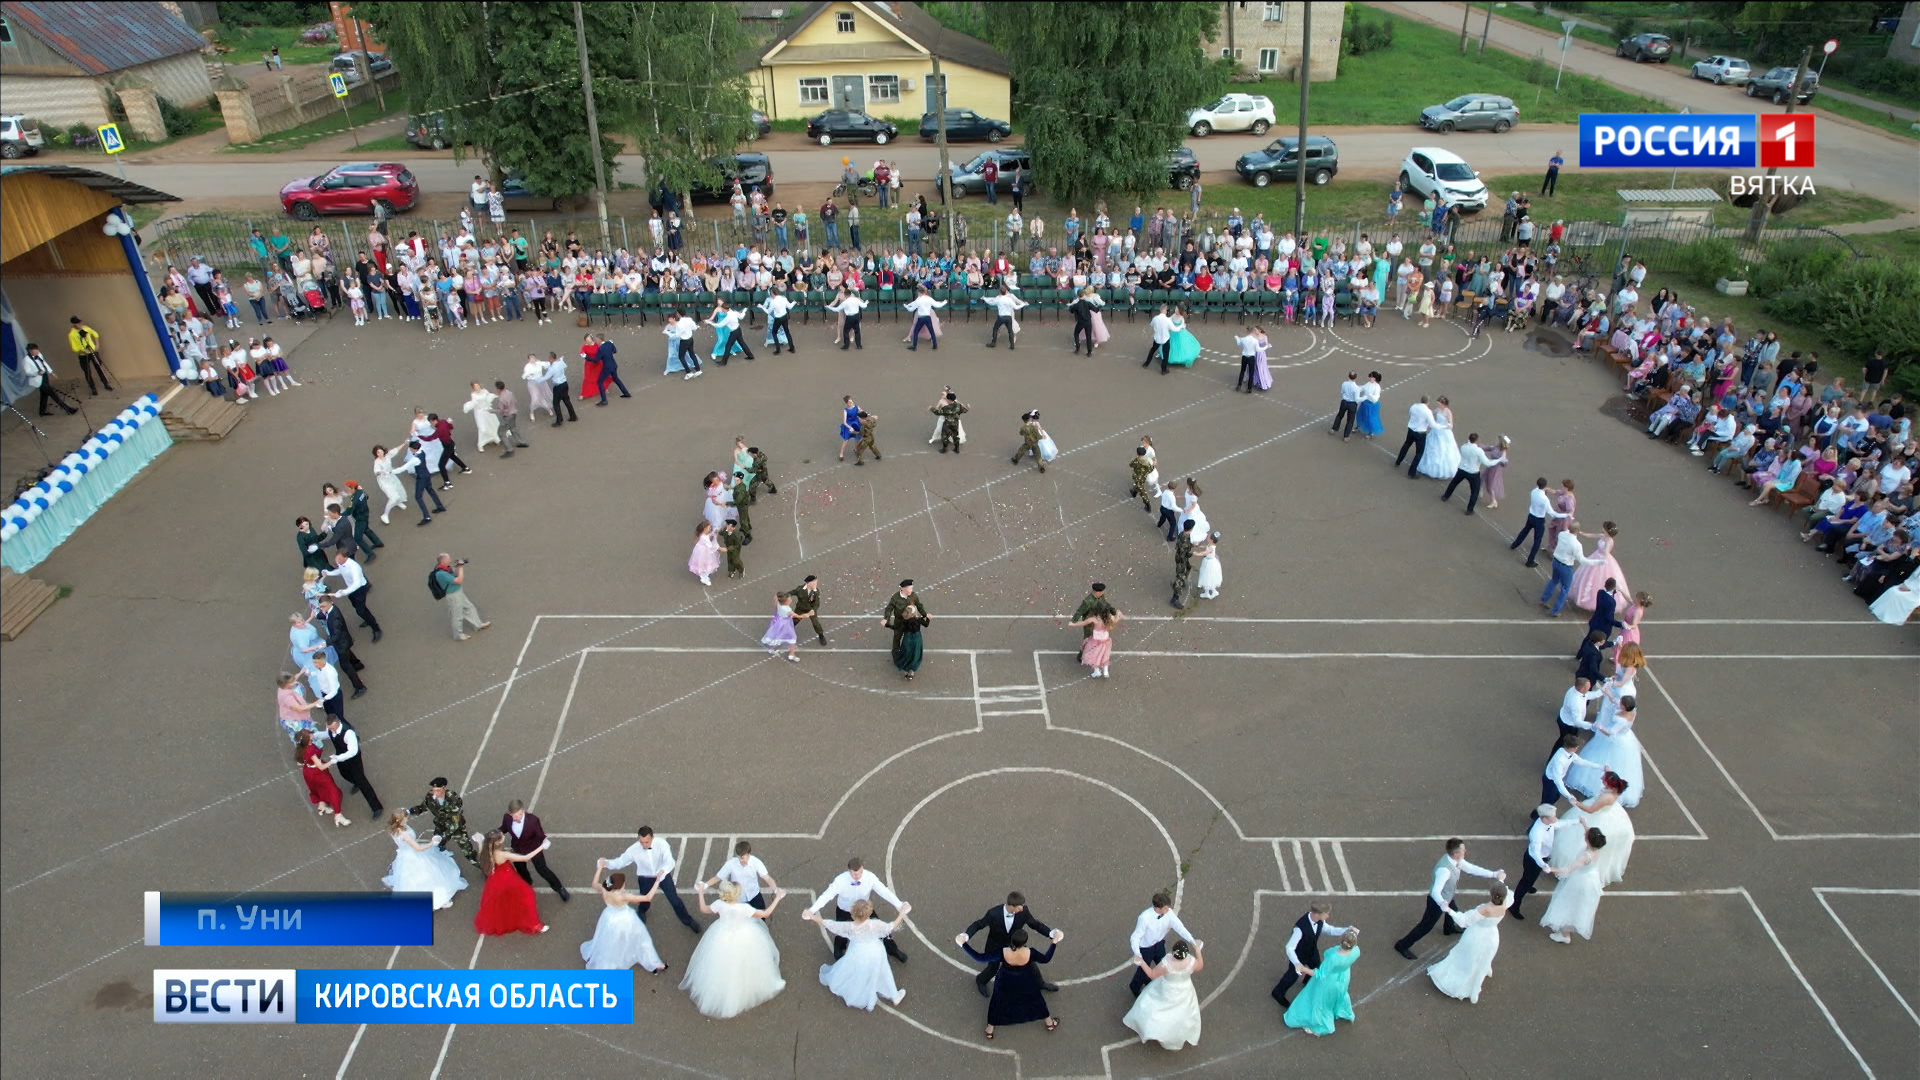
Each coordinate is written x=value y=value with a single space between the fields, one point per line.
x=691 y=99
x=1105 y=99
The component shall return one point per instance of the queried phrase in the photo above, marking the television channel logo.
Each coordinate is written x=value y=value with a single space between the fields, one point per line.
x=1696 y=141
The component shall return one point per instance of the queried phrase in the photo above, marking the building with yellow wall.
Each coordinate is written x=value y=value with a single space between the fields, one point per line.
x=876 y=57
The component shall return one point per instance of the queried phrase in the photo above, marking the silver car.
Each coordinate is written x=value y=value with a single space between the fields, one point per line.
x=1724 y=70
x=1471 y=112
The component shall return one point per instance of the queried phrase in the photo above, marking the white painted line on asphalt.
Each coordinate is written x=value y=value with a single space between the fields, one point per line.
x=560 y=725
x=447 y=1041
x=1711 y=756
x=1306 y=877
x=1286 y=879
x=873 y=502
x=649 y=1059
x=798 y=541
x=506 y=689
x=360 y=1032
x=1320 y=857
x=927 y=495
x=1675 y=795
x=1340 y=859
x=1795 y=968
x=1818 y=894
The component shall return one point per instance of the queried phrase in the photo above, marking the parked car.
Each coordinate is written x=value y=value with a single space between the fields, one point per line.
x=1182 y=168
x=847 y=125
x=351 y=189
x=1642 y=47
x=759 y=125
x=1774 y=85
x=967 y=179
x=1429 y=170
x=1471 y=112
x=1235 y=112
x=515 y=196
x=1723 y=70
x=751 y=169
x=318 y=34
x=965 y=125
x=1281 y=161
x=18 y=138
x=430 y=132
x=348 y=65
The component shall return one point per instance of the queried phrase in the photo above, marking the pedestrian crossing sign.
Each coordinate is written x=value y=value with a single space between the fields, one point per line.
x=339 y=82
x=110 y=140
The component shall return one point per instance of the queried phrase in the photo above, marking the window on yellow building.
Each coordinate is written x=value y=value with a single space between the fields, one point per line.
x=844 y=23
x=814 y=92
x=883 y=89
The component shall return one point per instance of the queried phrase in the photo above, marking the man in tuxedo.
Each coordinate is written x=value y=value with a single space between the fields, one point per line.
x=652 y=861
x=1000 y=923
x=1303 y=948
x=333 y=623
x=525 y=836
x=338 y=531
x=1605 y=607
x=1446 y=878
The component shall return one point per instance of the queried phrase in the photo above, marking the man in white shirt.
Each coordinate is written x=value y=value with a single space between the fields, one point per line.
x=747 y=871
x=1349 y=405
x=557 y=379
x=324 y=678
x=778 y=307
x=1472 y=460
x=1419 y=420
x=1162 y=328
x=1446 y=878
x=851 y=304
x=1572 y=717
x=354 y=588
x=346 y=757
x=1004 y=304
x=1249 y=343
x=652 y=862
x=683 y=329
x=1303 y=948
x=849 y=889
x=1546 y=822
x=1149 y=938
x=1539 y=511
x=921 y=306
x=1553 y=778
x=1568 y=555
x=726 y=323
x=1170 y=510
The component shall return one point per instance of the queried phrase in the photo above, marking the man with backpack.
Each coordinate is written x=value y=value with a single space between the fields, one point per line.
x=447 y=583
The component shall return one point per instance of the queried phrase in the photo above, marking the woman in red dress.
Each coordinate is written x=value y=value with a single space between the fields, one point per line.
x=589 y=368
x=506 y=904
x=322 y=792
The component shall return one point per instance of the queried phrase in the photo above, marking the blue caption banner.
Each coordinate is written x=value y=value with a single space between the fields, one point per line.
x=342 y=918
x=376 y=996
x=1668 y=141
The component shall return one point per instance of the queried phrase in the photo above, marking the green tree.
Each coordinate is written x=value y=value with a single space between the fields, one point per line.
x=1105 y=99
x=689 y=102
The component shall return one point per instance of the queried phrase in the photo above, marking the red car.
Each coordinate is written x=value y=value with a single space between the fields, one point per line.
x=351 y=189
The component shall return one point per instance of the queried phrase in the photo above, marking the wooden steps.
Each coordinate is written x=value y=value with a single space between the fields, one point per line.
x=194 y=414
x=22 y=599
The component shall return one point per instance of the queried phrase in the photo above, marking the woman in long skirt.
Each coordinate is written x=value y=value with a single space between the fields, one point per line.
x=322 y=792
x=1577 y=896
x=1630 y=616
x=1369 y=417
x=862 y=976
x=507 y=904
x=1168 y=1010
x=1325 y=998
x=1210 y=576
x=383 y=475
x=1096 y=651
x=1460 y=974
x=1016 y=996
x=1262 y=377
x=1100 y=333
x=1588 y=580
x=539 y=390
x=1493 y=478
x=485 y=421
x=907 y=654
x=780 y=633
x=620 y=940
x=292 y=708
x=706 y=553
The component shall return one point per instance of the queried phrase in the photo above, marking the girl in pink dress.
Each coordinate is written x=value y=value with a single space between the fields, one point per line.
x=1563 y=501
x=706 y=553
x=1630 y=615
x=1096 y=651
x=1588 y=580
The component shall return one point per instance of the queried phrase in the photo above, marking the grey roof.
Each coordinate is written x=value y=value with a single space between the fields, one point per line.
x=1676 y=197
x=923 y=29
x=101 y=38
x=125 y=190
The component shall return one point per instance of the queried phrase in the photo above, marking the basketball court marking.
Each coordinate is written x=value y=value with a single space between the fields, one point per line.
x=1820 y=894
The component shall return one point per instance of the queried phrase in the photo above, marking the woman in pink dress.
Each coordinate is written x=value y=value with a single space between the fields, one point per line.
x=1563 y=501
x=1495 y=478
x=1588 y=580
x=1262 y=377
x=1096 y=651
x=706 y=553
x=1630 y=615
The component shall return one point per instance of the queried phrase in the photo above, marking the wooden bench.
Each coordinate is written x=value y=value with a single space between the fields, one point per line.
x=22 y=600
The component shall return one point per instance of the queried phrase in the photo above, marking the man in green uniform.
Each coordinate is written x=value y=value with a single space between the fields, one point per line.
x=1030 y=439
x=360 y=509
x=760 y=476
x=1096 y=602
x=897 y=605
x=1182 y=562
x=868 y=424
x=742 y=498
x=806 y=605
x=949 y=411
x=1142 y=468
x=449 y=819
x=730 y=540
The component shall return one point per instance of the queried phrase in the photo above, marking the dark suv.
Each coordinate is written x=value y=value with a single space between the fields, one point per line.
x=1775 y=84
x=1281 y=161
x=965 y=125
x=1182 y=168
x=967 y=179
x=848 y=126
x=1641 y=47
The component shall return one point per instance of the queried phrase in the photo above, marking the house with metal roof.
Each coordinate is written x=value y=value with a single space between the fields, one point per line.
x=875 y=57
x=62 y=61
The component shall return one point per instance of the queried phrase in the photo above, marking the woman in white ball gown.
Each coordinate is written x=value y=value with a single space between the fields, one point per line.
x=1606 y=814
x=736 y=965
x=420 y=866
x=1613 y=748
x=1442 y=456
x=1577 y=896
x=1471 y=961
x=862 y=976
x=1168 y=1010
x=620 y=939
x=1210 y=575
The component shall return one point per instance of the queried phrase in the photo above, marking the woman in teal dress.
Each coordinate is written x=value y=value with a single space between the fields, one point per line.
x=907 y=654
x=1325 y=999
x=1182 y=348
x=742 y=460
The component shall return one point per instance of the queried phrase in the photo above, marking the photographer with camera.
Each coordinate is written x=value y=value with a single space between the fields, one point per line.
x=447 y=583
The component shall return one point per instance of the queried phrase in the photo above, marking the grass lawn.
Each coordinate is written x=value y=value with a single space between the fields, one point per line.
x=250 y=42
x=204 y=120
x=1522 y=13
x=1902 y=245
x=1424 y=67
x=387 y=142
x=1866 y=115
x=332 y=124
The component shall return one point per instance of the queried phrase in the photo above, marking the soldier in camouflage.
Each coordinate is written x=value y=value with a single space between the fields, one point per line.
x=741 y=499
x=1182 y=562
x=449 y=819
x=869 y=423
x=1096 y=603
x=760 y=476
x=729 y=539
x=1030 y=439
x=1142 y=467
x=949 y=411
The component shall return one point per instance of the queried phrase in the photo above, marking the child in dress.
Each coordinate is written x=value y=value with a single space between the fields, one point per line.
x=357 y=301
x=780 y=629
x=706 y=553
x=1096 y=651
x=1210 y=576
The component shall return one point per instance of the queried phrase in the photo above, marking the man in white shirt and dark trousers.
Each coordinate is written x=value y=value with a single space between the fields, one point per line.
x=1303 y=948
x=1162 y=328
x=851 y=304
x=683 y=331
x=1349 y=407
x=1419 y=420
x=557 y=378
x=1004 y=304
x=652 y=862
x=346 y=757
x=747 y=871
x=1553 y=778
x=1539 y=511
x=1170 y=511
x=726 y=322
x=1446 y=878
x=1572 y=718
x=354 y=588
x=324 y=679
x=778 y=307
x=1472 y=460
x=1546 y=822
x=1249 y=348
x=849 y=889
x=1149 y=938
x=921 y=306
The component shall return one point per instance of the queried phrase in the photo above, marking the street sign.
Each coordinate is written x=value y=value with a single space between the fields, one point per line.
x=339 y=82
x=1567 y=25
x=1832 y=46
x=110 y=138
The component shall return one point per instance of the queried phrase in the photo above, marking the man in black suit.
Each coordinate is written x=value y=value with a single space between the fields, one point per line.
x=338 y=531
x=1000 y=923
x=1605 y=607
x=525 y=836
x=334 y=625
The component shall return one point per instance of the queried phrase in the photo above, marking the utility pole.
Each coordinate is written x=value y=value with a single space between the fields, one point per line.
x=1230 y=52
x=1300 y=152
x=366 y=61
x=1466 y=16
x=1763 y=203
x=593 y=127
x=1486 y=27
x=944 y=178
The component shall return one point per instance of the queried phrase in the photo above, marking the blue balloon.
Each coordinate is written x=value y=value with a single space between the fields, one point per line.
x=43 y=487
x=41 y=503
x=115 y=438
x=81 y=468
x=65 y=486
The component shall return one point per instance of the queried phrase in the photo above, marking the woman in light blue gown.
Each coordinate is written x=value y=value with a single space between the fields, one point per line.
x=1325 y=997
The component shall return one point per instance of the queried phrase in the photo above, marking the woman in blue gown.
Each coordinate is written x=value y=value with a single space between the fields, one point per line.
x=1325 y=999
x=849 y=425
x=1182 y=348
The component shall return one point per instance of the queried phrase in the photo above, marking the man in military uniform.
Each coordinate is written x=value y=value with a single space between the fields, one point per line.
x=806 y=605
x=759 y=476
x=949 y=411
x=449 y=819
x=897 y=605
x=742 y=498
x=360 y=508
x=1030 y=439
x=730 y=540
x=1095 y=603
x=868 y=424
x=1142 y=468
x=1182 y=562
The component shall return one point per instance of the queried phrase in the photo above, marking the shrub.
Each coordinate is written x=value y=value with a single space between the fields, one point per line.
x=1707 y=261
x=1538 y=73
x=1888 y=76
x=1860 y=304
x=178 y=121
x=1626 y=26
x=1362 y=36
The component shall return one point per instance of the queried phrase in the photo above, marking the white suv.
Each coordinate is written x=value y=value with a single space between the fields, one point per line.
x=17 y=139
x=1235 y=112
x=1445 y=175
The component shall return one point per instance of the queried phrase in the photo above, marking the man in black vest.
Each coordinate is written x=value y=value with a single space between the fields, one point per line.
x=1303 y=948
x=346 y=757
